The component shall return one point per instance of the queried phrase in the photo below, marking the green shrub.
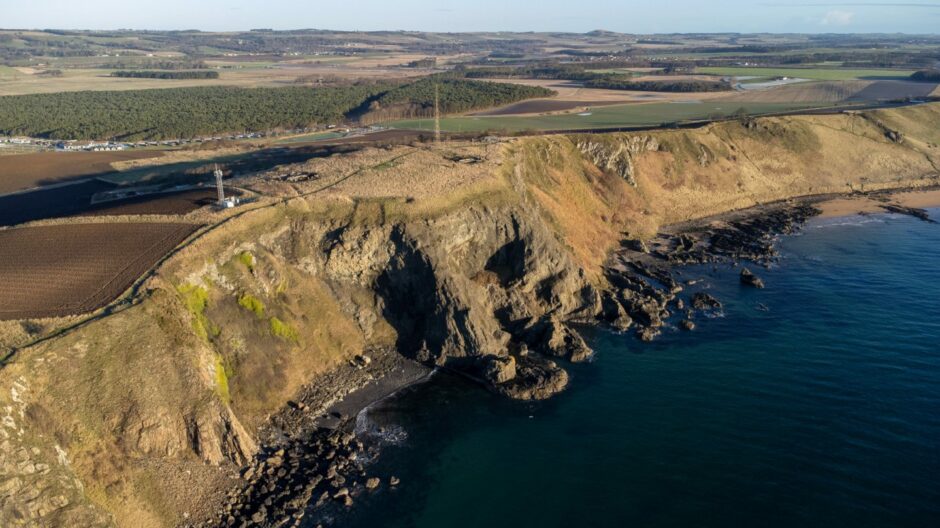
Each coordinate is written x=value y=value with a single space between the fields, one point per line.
x=196 y=299
x=252 y=304
x=246 y=258
x=283 y=330
x=221 y=379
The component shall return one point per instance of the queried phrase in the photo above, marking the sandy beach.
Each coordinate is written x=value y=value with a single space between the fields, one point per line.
x=872 y=203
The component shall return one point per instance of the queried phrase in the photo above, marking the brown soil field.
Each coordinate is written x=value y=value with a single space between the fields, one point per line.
x=26 y=171
x=808 y=92
x=54 y=202
x=75 y=200
x=174 y=203
x=53 y=271
x=882 y=90
x=836 y=91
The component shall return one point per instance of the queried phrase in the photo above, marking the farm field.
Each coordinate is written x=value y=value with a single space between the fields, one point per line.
x=54 y=202
x=171 y=203
x=631 y=115
x=818 y=74
x=577 y=92
x=231 y=73
x=26 y=171
x=538 y=106
x=836 y=91
x=52 y=271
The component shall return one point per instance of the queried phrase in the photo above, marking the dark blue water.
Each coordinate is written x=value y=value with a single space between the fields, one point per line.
x=823 y=410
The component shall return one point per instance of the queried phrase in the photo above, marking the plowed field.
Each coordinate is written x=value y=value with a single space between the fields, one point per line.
x=58 y=270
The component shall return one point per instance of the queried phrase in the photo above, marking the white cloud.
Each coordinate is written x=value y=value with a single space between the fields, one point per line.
x=837 y=17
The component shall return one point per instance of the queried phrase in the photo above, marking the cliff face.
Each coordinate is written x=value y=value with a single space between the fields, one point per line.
x=135 y=418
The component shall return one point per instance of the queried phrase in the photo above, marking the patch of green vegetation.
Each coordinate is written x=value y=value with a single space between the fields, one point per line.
x=221 y=379
x=284 y=331
x=818 y=74
x=246 y=258
x=252 y=304
x=196 y=299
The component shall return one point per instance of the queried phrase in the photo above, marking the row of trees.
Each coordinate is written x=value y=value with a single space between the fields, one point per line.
x=192 y=112
x=156 y=74
x=659 y=86
x=926 y=75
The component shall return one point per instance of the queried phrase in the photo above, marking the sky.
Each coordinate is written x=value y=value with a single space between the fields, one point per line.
x=656 y=16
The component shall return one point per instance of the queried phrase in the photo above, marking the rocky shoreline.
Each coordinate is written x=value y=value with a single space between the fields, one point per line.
x=313 y=466
x=311 y=461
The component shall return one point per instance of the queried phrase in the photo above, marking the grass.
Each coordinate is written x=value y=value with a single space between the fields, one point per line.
x=7 y=73
x=284 y=331
x=196 y=298
x=817 y=74
x=246 y=258
x=631 y=115
x=252 y=304
x=221 y=379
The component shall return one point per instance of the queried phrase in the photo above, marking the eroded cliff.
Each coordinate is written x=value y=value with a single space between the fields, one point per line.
x=472 y=258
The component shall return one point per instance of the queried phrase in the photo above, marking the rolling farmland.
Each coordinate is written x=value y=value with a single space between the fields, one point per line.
x=59 y=270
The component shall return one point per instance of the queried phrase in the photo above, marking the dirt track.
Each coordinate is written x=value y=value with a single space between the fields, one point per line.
x=25 y=171
x=52 y=271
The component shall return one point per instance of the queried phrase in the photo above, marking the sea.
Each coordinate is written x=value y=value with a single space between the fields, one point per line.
x=812 y=402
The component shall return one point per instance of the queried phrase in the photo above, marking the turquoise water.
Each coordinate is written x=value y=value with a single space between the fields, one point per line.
x=822 y=410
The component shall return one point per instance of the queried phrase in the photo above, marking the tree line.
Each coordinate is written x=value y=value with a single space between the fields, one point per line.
x=926 y=75
x=154 y=74
x=683 y=86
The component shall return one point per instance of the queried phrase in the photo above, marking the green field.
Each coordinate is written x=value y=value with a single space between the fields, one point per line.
x=7 y=72
x=816 y=74
x=631 y=115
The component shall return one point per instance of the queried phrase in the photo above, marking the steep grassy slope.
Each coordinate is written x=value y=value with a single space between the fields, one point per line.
x=138 y=417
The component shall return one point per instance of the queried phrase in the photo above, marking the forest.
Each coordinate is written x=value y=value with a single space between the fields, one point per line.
x=192 y=112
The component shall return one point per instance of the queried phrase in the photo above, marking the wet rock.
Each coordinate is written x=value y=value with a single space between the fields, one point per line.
x=704 y=301
x=920 y=214
x=342 y=492
x=614 y=313
x=373 y=483
x=648 y=334
x=749 y=279
x=393 y=481
x=687 y=325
